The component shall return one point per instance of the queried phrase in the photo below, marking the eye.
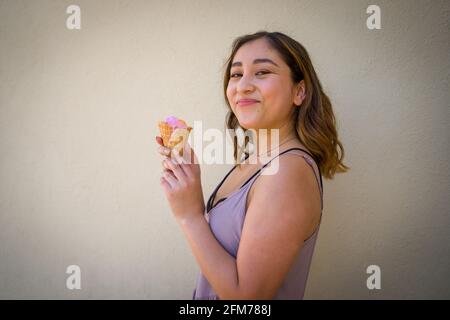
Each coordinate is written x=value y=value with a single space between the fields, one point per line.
x=259 y=73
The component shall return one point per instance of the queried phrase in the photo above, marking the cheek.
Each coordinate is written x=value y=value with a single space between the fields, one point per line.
x=275 y=93
x=270 y=91
x=230 y=94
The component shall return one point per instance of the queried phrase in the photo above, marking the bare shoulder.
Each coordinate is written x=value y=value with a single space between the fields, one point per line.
x=290 y=179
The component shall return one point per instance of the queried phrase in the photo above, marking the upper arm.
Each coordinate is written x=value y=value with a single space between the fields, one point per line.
x=283 y=212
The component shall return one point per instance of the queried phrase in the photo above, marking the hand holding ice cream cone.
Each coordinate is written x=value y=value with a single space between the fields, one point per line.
x=181 y=176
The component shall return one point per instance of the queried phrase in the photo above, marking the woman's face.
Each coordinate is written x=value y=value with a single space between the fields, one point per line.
x=260 y=76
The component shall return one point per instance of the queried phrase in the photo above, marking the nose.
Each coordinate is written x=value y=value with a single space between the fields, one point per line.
x=245 y=84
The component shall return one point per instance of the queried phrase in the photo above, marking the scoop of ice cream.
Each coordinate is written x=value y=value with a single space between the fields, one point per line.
x=174 y=122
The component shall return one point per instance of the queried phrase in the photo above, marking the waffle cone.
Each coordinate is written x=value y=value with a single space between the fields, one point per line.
x=174 y=139
x=178 y=139
x=166 y=131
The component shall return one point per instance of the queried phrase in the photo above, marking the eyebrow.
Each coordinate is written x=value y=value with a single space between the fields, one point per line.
x=262 y=60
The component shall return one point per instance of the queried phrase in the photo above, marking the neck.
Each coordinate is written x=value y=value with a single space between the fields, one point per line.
x=268 y=140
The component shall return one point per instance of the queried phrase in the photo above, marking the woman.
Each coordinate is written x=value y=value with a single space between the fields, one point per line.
x=260 y=230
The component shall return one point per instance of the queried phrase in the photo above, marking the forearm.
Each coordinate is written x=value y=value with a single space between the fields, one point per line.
x=216 y=264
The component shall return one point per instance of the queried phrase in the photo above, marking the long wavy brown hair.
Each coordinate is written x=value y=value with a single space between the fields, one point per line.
x=314 y=119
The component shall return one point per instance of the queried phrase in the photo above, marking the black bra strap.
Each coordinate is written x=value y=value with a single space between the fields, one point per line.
x=213 y=195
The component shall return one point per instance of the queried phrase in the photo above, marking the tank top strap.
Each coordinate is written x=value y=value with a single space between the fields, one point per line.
x=309 y=155
x=259 y=171
x=296 y=148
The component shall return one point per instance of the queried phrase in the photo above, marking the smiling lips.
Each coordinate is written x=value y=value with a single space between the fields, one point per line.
x=246 y=102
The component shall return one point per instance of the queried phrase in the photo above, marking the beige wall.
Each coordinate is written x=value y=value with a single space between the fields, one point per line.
x=79 y=172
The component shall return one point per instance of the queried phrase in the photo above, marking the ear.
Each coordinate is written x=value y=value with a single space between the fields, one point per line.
x=299 y=93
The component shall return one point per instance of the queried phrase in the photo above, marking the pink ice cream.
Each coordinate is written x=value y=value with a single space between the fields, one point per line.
x=174 y=122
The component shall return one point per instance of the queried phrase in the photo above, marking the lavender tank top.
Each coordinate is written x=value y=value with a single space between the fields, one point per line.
x=226 y=220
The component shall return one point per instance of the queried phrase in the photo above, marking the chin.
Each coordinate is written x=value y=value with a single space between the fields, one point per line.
x=250 y=118
x=248 y=123
x=252 y=127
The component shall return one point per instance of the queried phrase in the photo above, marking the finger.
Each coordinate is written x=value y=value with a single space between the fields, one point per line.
x=159 y=140
x=164 y=151
x=179 y=163
x=170 y=178
x=176 y=169
x=181 y=155
x=166 y=185
x=189 y=160
x=168 y=172
x=187 y=165
x=177 y=158
x=187 y=153
x=163 y=162
x=190 y=154
x=187 y=171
